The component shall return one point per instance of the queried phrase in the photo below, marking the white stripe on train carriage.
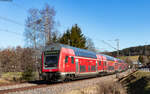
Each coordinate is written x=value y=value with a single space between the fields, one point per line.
x=79 y=72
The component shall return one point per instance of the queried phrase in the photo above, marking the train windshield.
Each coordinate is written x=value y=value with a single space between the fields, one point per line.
x=51 y=59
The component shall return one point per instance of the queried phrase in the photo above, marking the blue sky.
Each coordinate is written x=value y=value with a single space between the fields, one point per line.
x=126 y=20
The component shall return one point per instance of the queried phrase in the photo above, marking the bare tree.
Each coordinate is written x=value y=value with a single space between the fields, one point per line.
x=90 y=45
x=48 y=23
x=55 y=37
x=0 y=64
x=39 y=26
x=32 y=32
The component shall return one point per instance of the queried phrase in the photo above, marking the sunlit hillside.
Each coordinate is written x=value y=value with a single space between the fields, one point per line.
x=133 y=58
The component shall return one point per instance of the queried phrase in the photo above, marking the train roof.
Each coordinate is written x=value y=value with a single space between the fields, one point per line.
x=109 y=57
x=78 y=51
x=112 y=58
x=119 y=60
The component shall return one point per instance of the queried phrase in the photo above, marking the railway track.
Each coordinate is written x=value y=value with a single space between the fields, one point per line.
x=42 y=87
x=25 y=86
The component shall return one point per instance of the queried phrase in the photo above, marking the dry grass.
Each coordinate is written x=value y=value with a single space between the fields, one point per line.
x=12 y=76
x=137 y=83
x=133 y=58
x=110 y=87
x=16 y=76
x=3 y=81
x=106 y=87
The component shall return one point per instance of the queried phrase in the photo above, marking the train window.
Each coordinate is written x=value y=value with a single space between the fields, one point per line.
x=105 y=63
x=72 y=60
x=51 y=61
x=66 y=59
x=110 y=67
x=89 y=68
x=82 y=68
x=109 y=58
x=84 y=53
x=120 y=68
x=93 y=68
x=99 y=62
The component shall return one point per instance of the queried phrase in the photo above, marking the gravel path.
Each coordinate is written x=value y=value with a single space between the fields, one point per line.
x=64 y=87
x=16 y=86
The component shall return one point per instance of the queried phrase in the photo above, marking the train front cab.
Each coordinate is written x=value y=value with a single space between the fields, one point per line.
x=55 y=62
x=50 y=62
x=67 y=65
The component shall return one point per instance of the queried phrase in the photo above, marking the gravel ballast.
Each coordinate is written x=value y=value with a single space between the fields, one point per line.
x=16 y=86
x=65 y=87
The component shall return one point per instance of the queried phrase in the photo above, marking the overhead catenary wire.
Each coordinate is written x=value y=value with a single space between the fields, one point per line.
x=5 y=30
x=116 y=48
x=10 y=20
x=19 y=6
x=13 y=21
x=109 y=45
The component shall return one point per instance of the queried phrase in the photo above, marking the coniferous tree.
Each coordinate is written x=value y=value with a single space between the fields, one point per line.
x=77 y=38
x=55 y=37
x=74 y=37
x=65 y=39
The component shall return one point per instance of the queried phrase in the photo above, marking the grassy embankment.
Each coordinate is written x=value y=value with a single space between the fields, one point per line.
x=137 y=83
x=13 y=77
x=10 y=77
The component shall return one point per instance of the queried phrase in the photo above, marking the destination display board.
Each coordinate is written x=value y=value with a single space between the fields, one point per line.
x=52 y=52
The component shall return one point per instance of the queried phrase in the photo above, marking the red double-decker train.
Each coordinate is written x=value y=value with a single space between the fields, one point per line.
x=61 y=62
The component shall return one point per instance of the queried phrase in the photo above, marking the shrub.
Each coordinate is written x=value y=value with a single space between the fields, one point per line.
x=28 y=74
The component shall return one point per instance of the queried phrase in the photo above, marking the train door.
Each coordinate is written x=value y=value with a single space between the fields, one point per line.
x=67 y=64
x=105 y=66
x=101 y=64
x=72 y=66
x=77 y=65
x=96 y=66
x=116 y=66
